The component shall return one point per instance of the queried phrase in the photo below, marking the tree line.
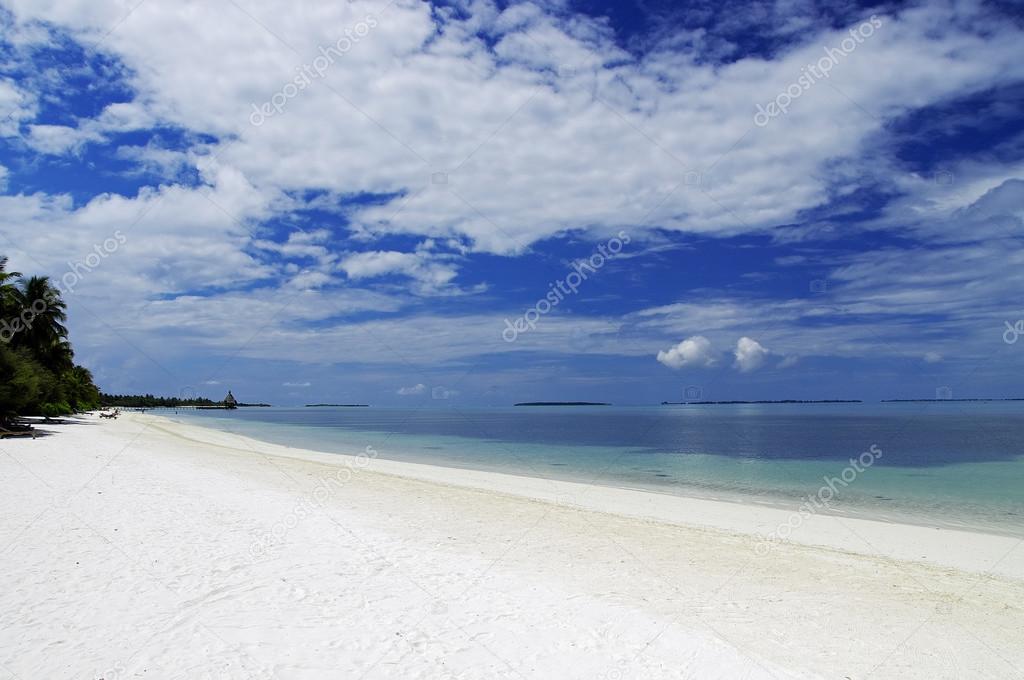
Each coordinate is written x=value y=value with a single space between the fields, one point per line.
x=38 y=374
x=149 y=401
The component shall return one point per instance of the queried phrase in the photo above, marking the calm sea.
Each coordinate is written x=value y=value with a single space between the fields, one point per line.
x=950 y=464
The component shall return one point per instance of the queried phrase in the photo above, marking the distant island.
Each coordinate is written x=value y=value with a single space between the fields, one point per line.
x=562 y=403
x=913 y=401
x=337 y=405
x=767 y=401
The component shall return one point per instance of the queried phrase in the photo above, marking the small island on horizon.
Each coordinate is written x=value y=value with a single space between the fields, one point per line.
x=918 y=401
x=765 y=401
x=562 y=403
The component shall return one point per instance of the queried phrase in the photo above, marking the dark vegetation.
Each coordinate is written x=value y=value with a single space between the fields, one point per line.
x=38 y=374
x=150 y=401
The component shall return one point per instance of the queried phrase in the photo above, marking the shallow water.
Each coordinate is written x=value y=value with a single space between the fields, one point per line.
x=950 y=464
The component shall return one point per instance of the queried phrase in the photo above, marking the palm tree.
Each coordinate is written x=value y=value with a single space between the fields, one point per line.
x=79 y=389
x=43 y=314
x=8 y=291
x=37 y=370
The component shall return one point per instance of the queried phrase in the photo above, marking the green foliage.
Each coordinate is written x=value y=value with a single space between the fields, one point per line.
x=20 y=382
x=50 y=410
x=79 y=389
x=149 y=401
x=38 y=375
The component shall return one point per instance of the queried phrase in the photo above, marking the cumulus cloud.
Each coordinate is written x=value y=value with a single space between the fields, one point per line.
x=789 y=361
x=421 y=89
x=418 y=388
x=441 y=392
x=693 y=351
x=155 y=159
x=749 y=354
x=418 y=266
x=58 y=139
x=17 y=106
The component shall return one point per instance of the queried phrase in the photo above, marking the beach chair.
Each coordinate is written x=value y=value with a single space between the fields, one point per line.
x=4 y=433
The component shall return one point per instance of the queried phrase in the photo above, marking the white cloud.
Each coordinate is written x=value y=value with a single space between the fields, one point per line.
x=932 y=357
x=58 y=139
x=155 y=159
x=749 y=354
x=431 y=275
x=419 y=388
x=119 y=117
x=441 y=392
x=308 y=280
x=693 y=351
x=378 y=263
x=300 y=245
x=789 y=362
x=16 y=106
x=124 y=117
x=421 y=94
x=296 y=384
x=965 y=288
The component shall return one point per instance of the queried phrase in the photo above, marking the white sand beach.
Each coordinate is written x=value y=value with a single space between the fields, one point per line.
x=144 y=548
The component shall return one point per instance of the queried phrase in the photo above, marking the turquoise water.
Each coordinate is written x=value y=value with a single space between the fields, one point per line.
x=949 y=464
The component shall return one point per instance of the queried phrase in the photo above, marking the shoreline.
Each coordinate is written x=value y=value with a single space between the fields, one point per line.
x=915 y=510
x=142 y=547
x=859 y=535
x=779 y=501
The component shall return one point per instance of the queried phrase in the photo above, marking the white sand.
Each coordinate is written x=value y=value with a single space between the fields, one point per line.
x=145 y=548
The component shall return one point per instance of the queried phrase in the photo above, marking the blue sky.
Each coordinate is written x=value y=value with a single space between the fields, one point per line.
x=353 y=201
